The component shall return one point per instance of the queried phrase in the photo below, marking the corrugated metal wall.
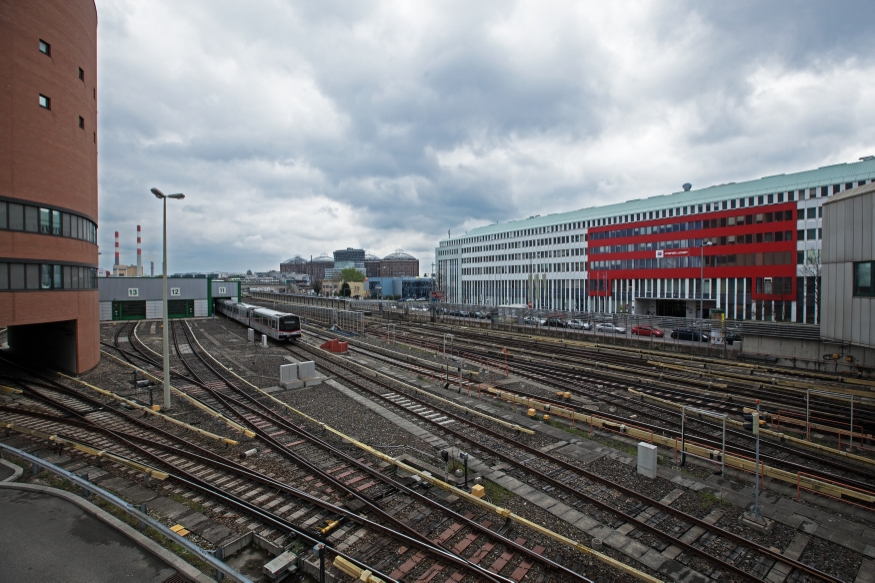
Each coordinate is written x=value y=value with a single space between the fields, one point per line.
x=847 y=238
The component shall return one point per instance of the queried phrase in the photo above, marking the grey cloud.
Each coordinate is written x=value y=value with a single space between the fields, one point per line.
x=317 y=124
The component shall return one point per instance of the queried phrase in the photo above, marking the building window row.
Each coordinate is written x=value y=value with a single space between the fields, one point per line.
x=809 y=234
x=774 y=286
x=694 y=261
x=729 y=204
x=45 y=221
x=863 y=279
x=44 y=276
x=746 y=239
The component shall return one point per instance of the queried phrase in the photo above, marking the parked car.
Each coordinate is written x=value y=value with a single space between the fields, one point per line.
x=733 y=337
x=608 y=327
x=647 y=331
x=686 y=334
x=555 y=323
x=577 y=324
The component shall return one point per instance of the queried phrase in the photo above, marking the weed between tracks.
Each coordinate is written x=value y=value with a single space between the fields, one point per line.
x=197 y=507
x=497 y=494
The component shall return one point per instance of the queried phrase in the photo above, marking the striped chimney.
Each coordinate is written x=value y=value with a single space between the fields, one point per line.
x=139 y=252
x=116 y=249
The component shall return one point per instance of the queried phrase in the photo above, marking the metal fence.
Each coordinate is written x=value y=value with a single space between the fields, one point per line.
x=328 y=313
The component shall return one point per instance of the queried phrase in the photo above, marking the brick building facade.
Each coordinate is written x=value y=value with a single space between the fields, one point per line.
x=48 y=180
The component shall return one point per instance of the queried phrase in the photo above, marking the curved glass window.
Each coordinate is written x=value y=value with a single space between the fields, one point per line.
x=46 y=221
x=45 y=276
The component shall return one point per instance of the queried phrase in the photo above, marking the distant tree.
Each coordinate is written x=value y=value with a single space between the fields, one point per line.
x=344 y=290
x=317 y=286
x=812 y=269
x=351 y=274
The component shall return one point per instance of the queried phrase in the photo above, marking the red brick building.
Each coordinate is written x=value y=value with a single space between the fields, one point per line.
x=48 y=180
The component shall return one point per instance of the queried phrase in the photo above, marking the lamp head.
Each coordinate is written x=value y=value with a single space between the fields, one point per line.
x=157 y=193
x=177 y=196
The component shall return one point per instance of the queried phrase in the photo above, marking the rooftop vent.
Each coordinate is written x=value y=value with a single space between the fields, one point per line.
x=687 y=186
x=867 y=158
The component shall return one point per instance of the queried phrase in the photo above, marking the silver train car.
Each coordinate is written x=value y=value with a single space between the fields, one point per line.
x=277 y=325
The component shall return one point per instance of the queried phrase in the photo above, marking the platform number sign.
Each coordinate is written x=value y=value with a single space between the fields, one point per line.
x=174 y=291
x=133 y=292
x=223 y=290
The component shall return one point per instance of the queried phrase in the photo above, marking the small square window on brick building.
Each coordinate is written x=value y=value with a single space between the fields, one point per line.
x=45 y=47
x=45 y=101
x=81 y=122
x=81 y=74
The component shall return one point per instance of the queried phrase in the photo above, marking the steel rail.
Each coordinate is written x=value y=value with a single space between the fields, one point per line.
x=738 y=539
x=281 y=422
x=526 y=370
x=423 y=542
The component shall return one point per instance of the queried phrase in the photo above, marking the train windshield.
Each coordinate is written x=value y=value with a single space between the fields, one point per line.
x=290 y=324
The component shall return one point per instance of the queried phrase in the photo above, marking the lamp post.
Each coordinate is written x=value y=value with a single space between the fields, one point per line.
x=166 y=343
x=702 y=280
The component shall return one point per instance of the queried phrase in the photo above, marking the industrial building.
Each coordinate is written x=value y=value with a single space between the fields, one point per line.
x=140 y=298
x=848 y=268
x=119 y=270
x=401 y=287
x=397 y=264
x=48 y=181
x=314 y=268
x=750 y=249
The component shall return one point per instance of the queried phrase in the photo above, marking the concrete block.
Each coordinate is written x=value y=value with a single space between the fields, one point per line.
x=288 y=372
x=280 y=565
x=251 y=334
x=647 y=460
x=306 y=370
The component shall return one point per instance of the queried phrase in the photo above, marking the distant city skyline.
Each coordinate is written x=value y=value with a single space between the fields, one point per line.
x=302 y=128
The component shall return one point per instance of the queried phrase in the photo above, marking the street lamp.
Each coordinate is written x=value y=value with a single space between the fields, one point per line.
x=702 y=280
x=164 y=197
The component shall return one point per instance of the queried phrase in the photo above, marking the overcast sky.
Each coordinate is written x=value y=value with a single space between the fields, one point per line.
x=304 y=127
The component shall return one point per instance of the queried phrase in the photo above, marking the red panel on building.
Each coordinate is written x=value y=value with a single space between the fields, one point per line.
x=748 y=243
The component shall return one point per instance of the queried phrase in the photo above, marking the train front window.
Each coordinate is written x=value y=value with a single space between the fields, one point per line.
x=289 y=324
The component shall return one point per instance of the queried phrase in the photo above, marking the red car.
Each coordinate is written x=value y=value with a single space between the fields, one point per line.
x=647 y=331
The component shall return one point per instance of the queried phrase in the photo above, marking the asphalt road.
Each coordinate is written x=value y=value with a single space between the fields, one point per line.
x=46 y=538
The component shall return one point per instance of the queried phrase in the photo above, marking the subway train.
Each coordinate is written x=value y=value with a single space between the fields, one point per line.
x=277 y=325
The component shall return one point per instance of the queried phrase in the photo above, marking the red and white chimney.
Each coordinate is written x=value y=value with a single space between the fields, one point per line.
x=117 y=262
x=139 y=253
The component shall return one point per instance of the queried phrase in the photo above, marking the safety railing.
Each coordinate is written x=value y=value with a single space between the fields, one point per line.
x=88 y=489
x=817 y=487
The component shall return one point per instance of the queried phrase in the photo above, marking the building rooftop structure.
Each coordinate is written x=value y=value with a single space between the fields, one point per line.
x=844 y=172
x=399 y=255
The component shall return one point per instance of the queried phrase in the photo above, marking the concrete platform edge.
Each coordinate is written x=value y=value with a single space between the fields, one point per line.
x=17 y=471
x=177 y=563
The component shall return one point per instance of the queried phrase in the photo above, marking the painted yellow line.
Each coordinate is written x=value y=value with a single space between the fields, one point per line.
x=103 y=454
x=182 y=394
x=146 y=409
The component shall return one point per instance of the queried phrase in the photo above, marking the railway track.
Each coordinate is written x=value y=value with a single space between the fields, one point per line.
x=736 y=555
x=371 y=487
x=590 y=383
x=605 y=399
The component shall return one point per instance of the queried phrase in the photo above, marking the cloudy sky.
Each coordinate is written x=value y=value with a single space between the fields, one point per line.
x=304 y=127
